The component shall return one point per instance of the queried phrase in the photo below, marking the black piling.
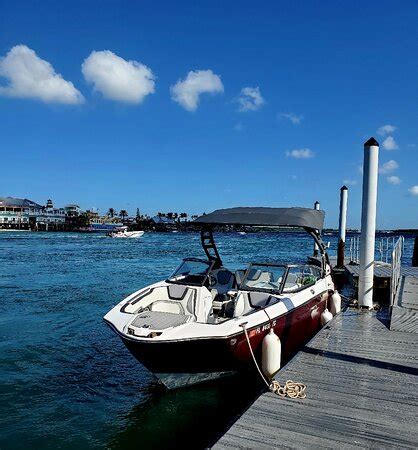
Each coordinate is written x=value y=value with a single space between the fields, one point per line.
x=415 y=254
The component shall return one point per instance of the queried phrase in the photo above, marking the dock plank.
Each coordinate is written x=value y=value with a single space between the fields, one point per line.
x=361 y=391
x=382 y=270
x=405 y=309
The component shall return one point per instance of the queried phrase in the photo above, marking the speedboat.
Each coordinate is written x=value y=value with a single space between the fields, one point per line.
x=198 y=323
x=123 y=232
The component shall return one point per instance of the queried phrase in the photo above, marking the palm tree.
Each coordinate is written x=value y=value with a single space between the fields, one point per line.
x=111 y=212
x=123 y=213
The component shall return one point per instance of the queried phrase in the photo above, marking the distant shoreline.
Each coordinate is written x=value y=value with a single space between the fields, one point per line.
x=325 y=231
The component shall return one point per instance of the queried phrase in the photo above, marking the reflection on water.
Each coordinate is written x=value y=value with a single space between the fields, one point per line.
x=66 y=381
x=189 y=417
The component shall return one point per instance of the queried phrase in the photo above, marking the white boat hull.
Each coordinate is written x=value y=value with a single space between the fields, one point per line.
x=128 y=234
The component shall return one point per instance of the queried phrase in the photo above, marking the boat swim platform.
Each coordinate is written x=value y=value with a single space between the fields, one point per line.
x=362 y=391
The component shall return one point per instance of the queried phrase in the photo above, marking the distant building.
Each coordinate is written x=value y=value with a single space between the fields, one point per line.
x=72 y=210
x=162 y=220
x=21 y=213
x=16 y=212
x=51 y=216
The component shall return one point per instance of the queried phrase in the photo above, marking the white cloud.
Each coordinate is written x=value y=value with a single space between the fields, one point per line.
x=301 y=153
x=30 y=76
x=388 y=167
x=390 y=144
x=186 y=92
x=250 y=99
x=118 y=79
x=413 y=190
x=294 y=118
x=386 y=129
x=394 y=180
x=350 y=182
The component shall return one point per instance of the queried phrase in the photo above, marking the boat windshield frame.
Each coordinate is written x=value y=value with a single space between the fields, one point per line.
x=278 y=291
x=210 y=265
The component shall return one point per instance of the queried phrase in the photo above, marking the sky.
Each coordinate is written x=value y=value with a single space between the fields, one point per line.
x=195 y=106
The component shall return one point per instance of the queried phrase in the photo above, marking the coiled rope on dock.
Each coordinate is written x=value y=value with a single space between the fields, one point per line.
x=290 y=389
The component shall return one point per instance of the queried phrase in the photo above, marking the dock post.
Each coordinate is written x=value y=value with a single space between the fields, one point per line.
x=415 y=254
x=342 y=226
x=368 y=223
x=316 y=248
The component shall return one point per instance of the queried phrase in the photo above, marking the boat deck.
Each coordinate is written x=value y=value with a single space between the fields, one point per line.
x=361 y=391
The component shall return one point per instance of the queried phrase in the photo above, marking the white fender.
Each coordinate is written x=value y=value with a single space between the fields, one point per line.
x=271 y=354
x=335 y=303
x=326 y=316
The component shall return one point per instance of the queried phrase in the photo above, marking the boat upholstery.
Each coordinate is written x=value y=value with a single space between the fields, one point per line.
x=261 y=299
x=248 y=301
x=292 y=282
x=256 y=277
x=181 y=300
x=225 y=281
x=174 y=299
x=239 y=276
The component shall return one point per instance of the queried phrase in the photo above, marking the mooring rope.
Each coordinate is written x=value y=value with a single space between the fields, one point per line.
x=243 y=325
x=290 y=389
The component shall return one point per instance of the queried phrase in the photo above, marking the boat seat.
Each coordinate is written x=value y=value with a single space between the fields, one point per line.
x=167 y=307
x=255 y=277
x=239 y=276
x=180 y=300
x=292 y=282
x=224 y=281
x=261 y=299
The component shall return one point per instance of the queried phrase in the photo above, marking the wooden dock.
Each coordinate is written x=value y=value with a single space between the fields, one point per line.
x=381 y=270
x=361 y=391
x=405 y=308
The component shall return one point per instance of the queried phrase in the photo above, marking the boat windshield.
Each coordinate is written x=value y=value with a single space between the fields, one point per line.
x=263 y=277
x=191 y=272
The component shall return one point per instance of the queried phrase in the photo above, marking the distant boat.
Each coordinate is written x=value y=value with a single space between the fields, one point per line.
x=124 y=233
x=100 y=227
x=242 y=232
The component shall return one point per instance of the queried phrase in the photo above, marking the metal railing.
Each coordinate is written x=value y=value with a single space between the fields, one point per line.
x=355 y=249
x=383 y=249
x=396 y=268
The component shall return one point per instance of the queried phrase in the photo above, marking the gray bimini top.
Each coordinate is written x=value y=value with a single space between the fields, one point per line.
x=310 y=219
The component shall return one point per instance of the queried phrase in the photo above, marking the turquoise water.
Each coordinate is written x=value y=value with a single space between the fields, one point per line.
x=66 y=381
